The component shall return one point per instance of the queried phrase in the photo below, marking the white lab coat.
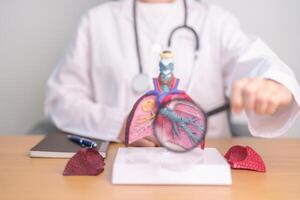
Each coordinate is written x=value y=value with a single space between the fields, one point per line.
x=90 y=91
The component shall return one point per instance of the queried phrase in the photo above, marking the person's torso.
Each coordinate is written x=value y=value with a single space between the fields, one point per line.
x=114 y=62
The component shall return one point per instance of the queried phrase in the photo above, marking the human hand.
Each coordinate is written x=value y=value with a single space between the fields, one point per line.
x=149 y=141
x=263 y=96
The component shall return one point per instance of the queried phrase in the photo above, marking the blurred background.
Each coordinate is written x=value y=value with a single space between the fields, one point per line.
x=35 y=33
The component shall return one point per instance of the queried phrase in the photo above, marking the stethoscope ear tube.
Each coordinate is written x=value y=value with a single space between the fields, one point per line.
x=136 y=34
x=186 y=28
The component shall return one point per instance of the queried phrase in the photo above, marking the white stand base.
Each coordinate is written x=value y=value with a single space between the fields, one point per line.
x=157 y=166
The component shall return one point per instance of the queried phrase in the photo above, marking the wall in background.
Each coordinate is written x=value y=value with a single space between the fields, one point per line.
x=33 y=36
x=35 y=33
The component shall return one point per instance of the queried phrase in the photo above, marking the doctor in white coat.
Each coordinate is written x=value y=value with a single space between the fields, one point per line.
x=91 y=91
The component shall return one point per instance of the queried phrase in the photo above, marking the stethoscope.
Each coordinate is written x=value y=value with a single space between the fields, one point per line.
x=140 y=82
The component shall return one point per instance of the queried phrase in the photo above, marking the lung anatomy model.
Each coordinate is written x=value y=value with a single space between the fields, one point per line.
x=167 y=113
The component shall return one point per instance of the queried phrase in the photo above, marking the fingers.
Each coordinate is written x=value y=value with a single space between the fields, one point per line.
x=121 y=135
x=272 y=105
x=262 y=104
x=250 y=92
x=143 y=143
x=237 y=97
x=263 y=96
x=153 y=139
x=149 y=141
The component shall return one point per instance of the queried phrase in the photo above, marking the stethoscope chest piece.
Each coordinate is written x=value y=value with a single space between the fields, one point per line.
x=140 y=83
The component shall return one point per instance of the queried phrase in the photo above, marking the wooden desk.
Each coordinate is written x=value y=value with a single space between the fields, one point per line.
x=24 y=178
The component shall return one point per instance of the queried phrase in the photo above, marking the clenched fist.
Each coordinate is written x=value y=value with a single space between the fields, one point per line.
x=263 y=96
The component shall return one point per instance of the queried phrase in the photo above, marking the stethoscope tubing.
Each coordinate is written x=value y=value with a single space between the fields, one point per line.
x=136 y=36
x=184 y=26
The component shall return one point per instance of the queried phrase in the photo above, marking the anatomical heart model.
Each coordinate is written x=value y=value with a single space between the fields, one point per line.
x=167 y=113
